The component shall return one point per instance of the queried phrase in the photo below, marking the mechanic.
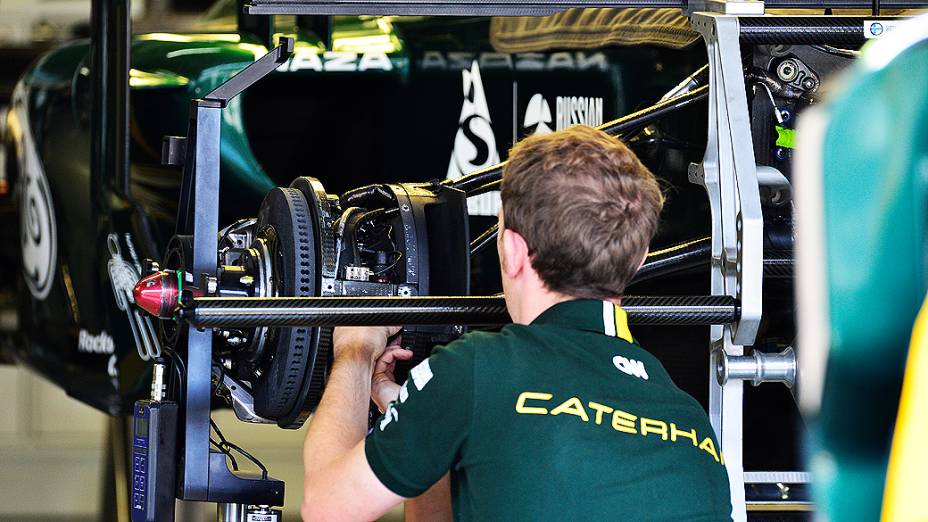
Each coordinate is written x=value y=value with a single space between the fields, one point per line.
x=560 y=415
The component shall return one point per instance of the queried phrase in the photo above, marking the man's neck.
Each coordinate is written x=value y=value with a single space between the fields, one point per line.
x=532 y=304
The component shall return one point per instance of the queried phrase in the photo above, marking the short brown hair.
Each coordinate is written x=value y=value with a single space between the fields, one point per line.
x=586 y=207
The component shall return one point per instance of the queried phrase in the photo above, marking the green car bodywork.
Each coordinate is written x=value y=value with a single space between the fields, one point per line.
x=383 y=102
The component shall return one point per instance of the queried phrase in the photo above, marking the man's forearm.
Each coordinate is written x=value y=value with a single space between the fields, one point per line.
x=340 y=421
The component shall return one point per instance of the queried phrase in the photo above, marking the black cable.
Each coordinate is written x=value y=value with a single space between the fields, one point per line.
x=177 y=366
x=837 y=51
x=250 y=457
x=399 y=257
x=228 y=453
x=223 y=443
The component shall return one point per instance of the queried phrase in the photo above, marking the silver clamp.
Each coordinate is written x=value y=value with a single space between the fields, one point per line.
x=758 y=368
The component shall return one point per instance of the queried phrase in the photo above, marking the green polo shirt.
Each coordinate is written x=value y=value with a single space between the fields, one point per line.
x=563 y=419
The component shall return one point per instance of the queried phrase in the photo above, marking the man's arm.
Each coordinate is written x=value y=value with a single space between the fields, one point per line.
x=338 y=482
x=435 y=504
x=432 y=506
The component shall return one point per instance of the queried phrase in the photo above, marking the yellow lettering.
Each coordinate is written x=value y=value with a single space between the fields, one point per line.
x=624 y=422
x=654 y=426
x=688 y=434
x=534 y=396
x=573 y=406
x=600 y=409
x=709 y=448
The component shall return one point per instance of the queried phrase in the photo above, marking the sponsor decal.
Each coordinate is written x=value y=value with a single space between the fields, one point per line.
x=123 y=276
x=90 y=343
x=569 y=110
x=111 y=368
x=574 y=409
x=310 y=58
x=537 y=118
x=572 y=61
x=38 y=230
x=630 y=367
x=579 y=110
x=879 y=28
x=475 y=141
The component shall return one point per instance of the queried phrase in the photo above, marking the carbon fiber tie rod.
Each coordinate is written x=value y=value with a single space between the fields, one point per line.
x=250 y=312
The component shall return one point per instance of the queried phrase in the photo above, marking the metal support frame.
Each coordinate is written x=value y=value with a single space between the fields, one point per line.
x=530 y=7
x=729 y=174
x=111 y=30
x=198 y=214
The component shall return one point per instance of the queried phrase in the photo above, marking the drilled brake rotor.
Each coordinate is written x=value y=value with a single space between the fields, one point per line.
x=284 y=379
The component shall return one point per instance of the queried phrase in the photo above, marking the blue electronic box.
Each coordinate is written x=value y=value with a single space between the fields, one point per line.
x=153 y=465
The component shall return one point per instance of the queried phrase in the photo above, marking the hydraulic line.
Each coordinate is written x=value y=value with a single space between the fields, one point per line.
x=238 y=312
x=778 y=264
x=487 y=237
x=488 y=179
x=685 y=255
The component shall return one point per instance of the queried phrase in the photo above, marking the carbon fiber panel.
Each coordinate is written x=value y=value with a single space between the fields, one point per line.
x=831 y=30
x=220 y=312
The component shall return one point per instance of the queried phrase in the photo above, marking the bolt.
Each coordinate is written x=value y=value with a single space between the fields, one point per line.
x=809 y=83
x=787 y=70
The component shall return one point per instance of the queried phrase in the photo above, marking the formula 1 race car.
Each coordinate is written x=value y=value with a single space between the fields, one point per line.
x=359 y=178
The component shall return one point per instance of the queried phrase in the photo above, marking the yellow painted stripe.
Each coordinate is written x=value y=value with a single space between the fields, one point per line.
x=904 y=496
x=621 y=325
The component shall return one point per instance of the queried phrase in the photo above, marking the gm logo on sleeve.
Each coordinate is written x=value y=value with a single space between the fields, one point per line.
x=630 y=367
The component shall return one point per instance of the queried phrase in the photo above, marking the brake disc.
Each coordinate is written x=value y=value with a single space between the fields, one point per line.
x=284 y=378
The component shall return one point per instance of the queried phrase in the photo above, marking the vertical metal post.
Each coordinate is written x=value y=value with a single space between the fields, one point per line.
x=195 y=481
x=111 y=32
x=230 y=512
x=729 y=173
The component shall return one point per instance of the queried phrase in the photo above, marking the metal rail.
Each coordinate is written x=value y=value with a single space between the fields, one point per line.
x=513 y=7
x=225 y=312
x=810 y=30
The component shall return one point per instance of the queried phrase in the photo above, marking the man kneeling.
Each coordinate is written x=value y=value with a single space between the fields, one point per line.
x=559 y=416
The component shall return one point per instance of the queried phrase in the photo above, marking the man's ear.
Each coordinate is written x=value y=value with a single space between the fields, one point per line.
x=515 y=253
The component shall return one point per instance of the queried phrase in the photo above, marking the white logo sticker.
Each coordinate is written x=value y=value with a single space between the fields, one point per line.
x=475 y=141
x=630 y=367
x=304 y=58
x=123 y=276
x=36 y=210
x=90 y=343
x=537 y=115
x=879 y=28
x=570 y=110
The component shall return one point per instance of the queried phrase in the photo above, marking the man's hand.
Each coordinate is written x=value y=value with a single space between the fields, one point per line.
x=368 y=342
x=384 y=388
